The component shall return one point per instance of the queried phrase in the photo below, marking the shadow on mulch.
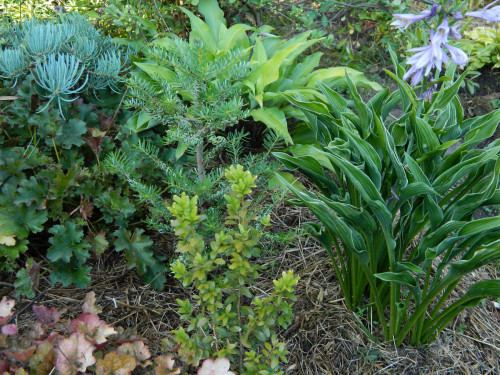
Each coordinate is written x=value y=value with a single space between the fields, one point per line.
x=324 y=337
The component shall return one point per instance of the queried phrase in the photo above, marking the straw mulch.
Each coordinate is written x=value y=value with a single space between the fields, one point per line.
x=324 y=337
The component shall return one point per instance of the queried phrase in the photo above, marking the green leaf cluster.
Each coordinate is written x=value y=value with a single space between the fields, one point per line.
x=397 y=203
x=51 y=185
x=484 y=48
x=66 y=55
x=228 y=318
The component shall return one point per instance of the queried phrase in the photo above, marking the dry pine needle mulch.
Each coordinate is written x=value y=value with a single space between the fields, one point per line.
x=324 y=337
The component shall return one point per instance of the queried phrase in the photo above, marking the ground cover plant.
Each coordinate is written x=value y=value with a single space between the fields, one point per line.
x=61 y=82
x=76 y=346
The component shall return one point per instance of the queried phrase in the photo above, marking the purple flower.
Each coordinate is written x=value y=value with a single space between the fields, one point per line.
x=490 y=15
x=454 y=33
x=441 y=35
x=427 y=58
x=427 y=95
x=458 y=56
x=403 y=20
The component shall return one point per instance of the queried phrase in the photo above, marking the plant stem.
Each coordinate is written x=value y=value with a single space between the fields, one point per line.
x=239 y=333
x=55 y=149
x=199 y=161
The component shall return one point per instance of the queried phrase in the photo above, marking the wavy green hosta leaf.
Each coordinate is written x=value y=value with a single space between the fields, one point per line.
x=336 y=77
x=487 y=255
x=305 y=67
x=275 y=119
x=201 y=31
x=230 y=37
x=446 y=95
x=214 y=17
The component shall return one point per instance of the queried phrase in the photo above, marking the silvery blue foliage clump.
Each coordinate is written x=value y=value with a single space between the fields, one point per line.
x=66 y=56
x=441 y=17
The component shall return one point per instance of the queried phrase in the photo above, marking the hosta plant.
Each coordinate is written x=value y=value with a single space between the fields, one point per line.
x=226 y=315
x=396 y=199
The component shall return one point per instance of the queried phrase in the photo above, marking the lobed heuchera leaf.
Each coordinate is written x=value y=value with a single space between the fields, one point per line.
x=115 y=363
x=98 y=241
x=73 y=354
x=45 y=315
x=165 y=366
x=220 y=366
x=136 y=349
x=26 y=281
x=67 y=242
x=9 y=329
x=21 y=356
x=42 y=361
x=6 y=306
x=95 y=329
x=37 y=331
x=89 y=304
x=72 y=132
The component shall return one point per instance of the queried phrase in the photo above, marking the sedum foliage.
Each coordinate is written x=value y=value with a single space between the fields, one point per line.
x=66 y=56
x=227 y=318
x=397 y=204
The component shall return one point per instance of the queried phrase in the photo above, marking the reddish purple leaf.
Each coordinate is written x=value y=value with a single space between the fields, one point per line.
x=21 y=356
x=45 y=315
x=9 y=329
x=94 y=328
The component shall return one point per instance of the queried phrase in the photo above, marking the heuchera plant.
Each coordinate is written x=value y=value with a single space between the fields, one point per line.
x=78 y=346
x=227 y=319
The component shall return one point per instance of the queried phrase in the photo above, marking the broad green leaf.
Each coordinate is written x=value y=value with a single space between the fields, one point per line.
x=306 y=66
x=214 y=16
x=446 y=95
x=312 y=151
x=268 y=72
x=337 y=102
x=315 y=107
x=367 y=153
x=405 y=91
x=290 y=178
x=427 y=141
x=229 y=37
x=141 y=121
x=489 y=254
x=370 y=194
x=336 y=77
x=155 y=70
x=201 y=31
x=480 y=225
x=404 y=278
x=275 y=119
x=414 y=190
